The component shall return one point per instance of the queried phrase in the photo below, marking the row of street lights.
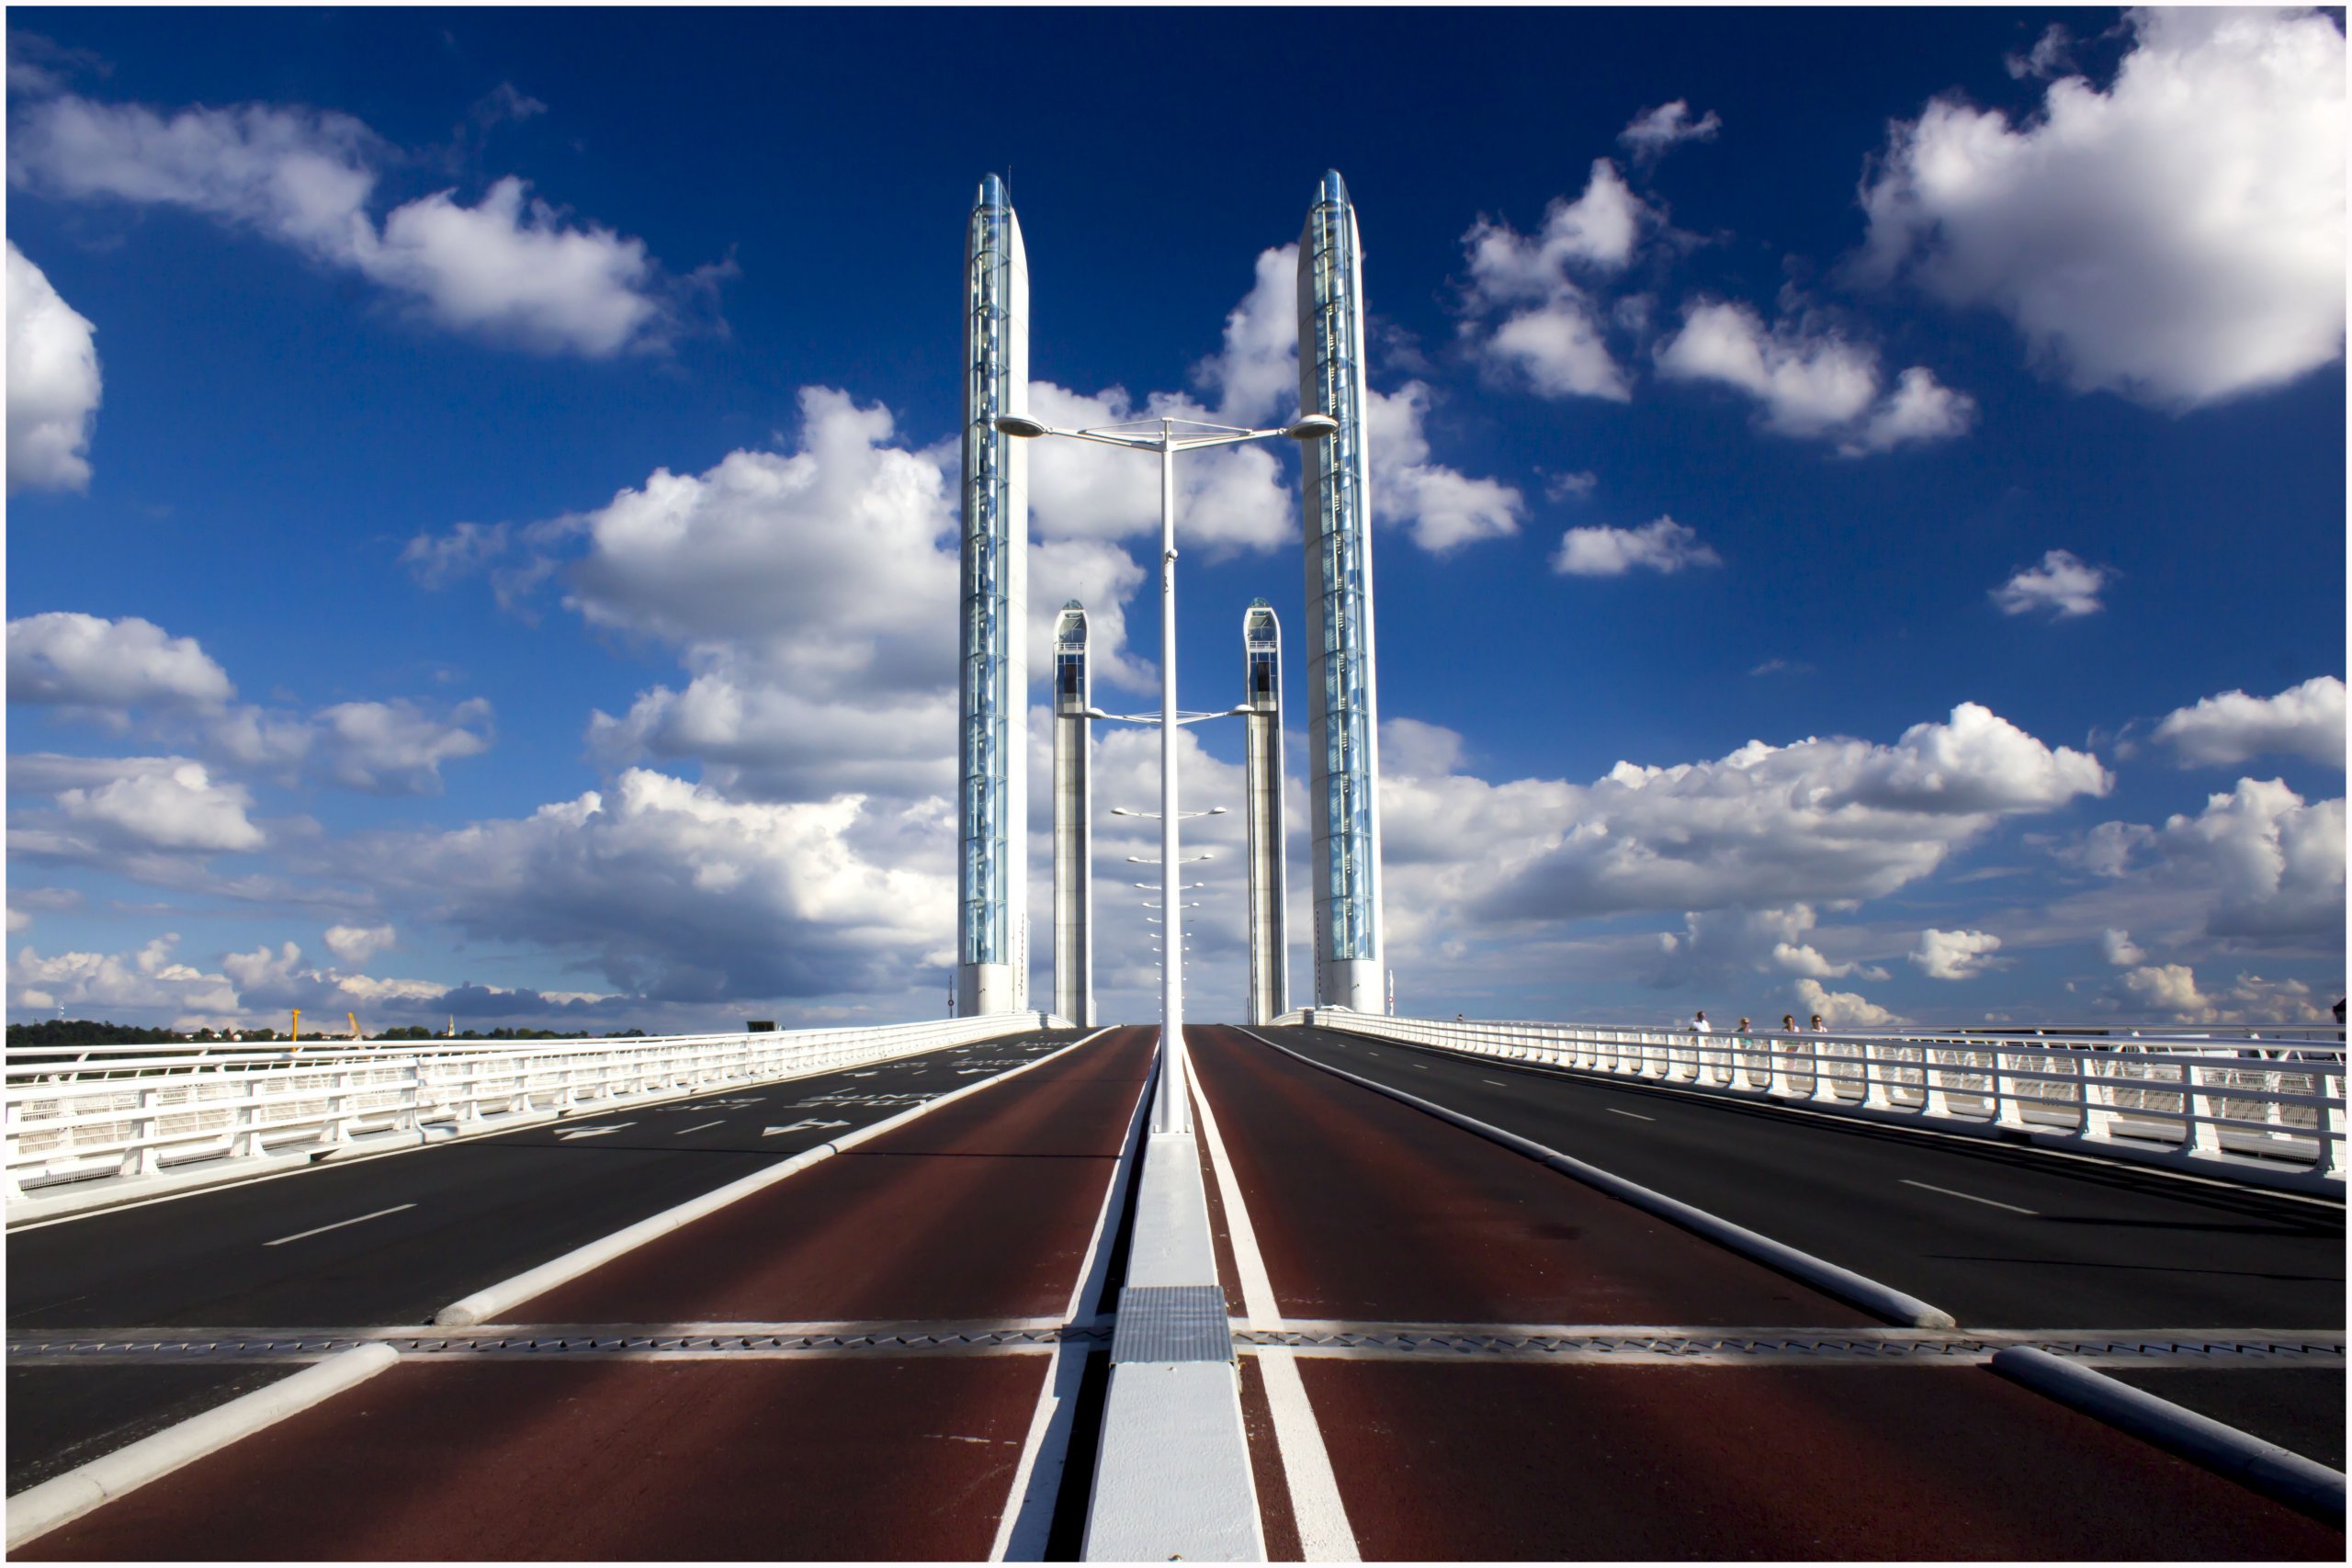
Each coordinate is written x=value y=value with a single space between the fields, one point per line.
x=1171 y=1111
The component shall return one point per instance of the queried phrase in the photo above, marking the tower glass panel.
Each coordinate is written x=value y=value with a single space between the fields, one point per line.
x=1344 y=723
x=993 y=940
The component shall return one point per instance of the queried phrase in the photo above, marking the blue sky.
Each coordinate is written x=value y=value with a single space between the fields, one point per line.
x=1862 y=498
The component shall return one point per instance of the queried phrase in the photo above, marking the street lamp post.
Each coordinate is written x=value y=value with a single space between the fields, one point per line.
x=1172 y=1111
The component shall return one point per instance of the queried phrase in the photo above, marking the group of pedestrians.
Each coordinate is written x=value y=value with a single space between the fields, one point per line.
x=1699 y=1024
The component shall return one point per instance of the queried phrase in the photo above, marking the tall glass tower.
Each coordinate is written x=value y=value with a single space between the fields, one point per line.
x=1343 y=715
x=992 y=967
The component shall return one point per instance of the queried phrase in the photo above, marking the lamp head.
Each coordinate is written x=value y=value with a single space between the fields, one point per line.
x=1019 y=424
x=1306 y=427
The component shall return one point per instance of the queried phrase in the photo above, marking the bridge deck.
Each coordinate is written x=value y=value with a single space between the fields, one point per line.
x=981 y=1209
x=1367 y=1209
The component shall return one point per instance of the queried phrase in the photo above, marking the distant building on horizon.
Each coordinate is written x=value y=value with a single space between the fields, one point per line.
x=1342 y=710
x=992 y=790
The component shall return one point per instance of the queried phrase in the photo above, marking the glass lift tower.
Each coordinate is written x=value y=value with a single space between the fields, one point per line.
x=1261 y=721
x=1073 y=822
x=1342 y=714
x=993 y=961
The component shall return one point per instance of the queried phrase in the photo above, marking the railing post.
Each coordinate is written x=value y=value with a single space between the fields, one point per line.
x=145 y=1156
x=2096 y=1118
x=2008 y=1106
x=2330 y=1124
x=1938 y=1101
x=1874 y=1096
x=12 y=1114
x=2201 y=1136
x=1825 y=1083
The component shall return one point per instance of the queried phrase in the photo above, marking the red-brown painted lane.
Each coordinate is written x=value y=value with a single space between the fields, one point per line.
x=1509 y=1462
x=746 y=1459
x=1369 y=1209
x=982 y=1209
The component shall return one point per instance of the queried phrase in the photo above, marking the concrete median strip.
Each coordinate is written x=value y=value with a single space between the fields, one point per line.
x=484 y=1305
x=2281 y=1475
x=1843 y=1283
x=37 y=1510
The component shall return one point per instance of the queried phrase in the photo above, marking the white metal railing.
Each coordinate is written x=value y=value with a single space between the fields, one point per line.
x=133 y=1114
x=2254 y=1108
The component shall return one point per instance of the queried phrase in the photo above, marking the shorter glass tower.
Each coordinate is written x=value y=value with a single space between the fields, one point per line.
x=1073 y=822
x=1261 y=719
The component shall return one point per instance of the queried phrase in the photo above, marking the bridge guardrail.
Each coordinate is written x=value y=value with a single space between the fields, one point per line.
x=144 y=1116
x=2269 y=1113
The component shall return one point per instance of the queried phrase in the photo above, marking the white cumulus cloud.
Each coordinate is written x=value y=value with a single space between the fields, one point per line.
x=2258 y=864
x=1551 y=332
x=75 y=660
x=676 y=893
x=1662 y=546
x=110 y=985
x=2064 y=584
x=1955 y=955
x=167 y=804
x=1812 y=381
x=53 y=383
x=358 y=944
x=1652 y=132
x=2118 y=948
x=2222 y=731
x=509 y=268
x=2177 y=238
x=2172 y=989
x=1820 y=821
x=1840 y=1009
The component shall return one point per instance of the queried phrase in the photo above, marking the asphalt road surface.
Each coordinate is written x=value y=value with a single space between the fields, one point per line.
x=981 y=1209
x=1370 y=1211
x=1999 y=1237
x=393 y=1239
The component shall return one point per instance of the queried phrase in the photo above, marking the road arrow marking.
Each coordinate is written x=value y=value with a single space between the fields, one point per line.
x=798 y=1126
x=593 y=1132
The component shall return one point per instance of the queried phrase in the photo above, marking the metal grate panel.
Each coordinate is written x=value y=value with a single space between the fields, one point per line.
x=1173 y=1322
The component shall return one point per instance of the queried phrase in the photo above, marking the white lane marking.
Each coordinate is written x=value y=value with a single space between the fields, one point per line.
x=698 y=1127
x=1988 y=1202
x=1324 y=1533
x=322 y=1230
x=1497 y=1082
x=592 y=1131
x=1634 y=1114
x=799 y=1126
x=1028 y=1517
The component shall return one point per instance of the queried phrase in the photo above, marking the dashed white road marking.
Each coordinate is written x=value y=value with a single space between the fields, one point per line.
x=322 y=1230
x=592 y=1131
x=799 y=1127
x=1634 y=1114
x=698 y=1127
x=1324 y=1533
x=1497 y=1082
x=1988 y=1202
